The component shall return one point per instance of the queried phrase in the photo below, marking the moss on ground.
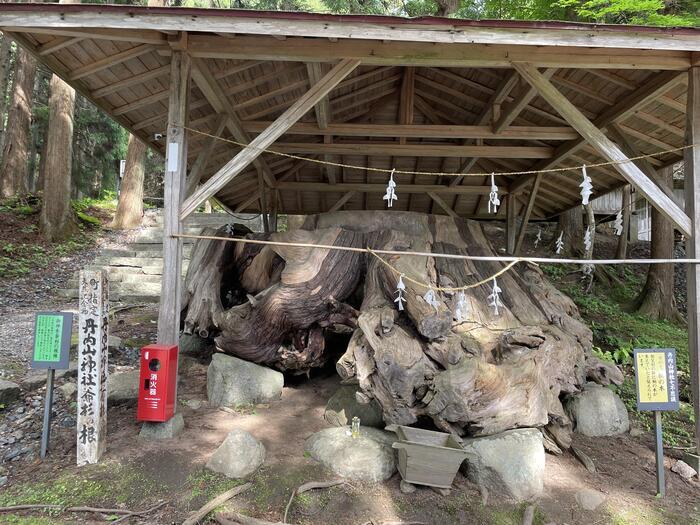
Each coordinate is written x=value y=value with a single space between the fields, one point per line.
x=109 y=484
x=617 y=332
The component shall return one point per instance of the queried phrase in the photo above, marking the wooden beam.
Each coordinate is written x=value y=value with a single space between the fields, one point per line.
x=421 y=54
x=414 y=150
x=528 y=212
x=256 y=195
x=118 y=35
x=131 y=81
x=342 y=201
x=692 y=207
x=110 y=61
x=334 y=30
x=441 y=202
x=210 y=88
x=323 y=108
x=57 y=44
x=175 y=171
x=629 y=103
x=267 y=137
x=608 y=149
x=381 y=188
x=204 y=156
x=522 y=99
x=418 y=131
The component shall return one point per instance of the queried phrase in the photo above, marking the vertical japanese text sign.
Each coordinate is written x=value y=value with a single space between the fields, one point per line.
x=657 y=380
x=92 y=366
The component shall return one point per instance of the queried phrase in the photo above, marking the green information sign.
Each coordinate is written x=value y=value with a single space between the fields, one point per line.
x=52 y=333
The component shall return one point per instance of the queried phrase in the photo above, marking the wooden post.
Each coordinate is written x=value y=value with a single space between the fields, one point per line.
x=93 y=327
x=528 y=211
x=511 y=223
x=692 y=208
x=175 y=171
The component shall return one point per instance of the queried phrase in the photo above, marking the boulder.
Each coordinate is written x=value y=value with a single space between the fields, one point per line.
x=366 y=458
x=114 y=342
x=123 y=387
x=233 y=382
x=9 y=391
x=589 y=499
x=509 y=464
x=166 y=430
x=343 y=406
x=238 y=456
x=683 y=469
x=192 y=345
x=37 y=378
x=68 y=390
x=598 y=411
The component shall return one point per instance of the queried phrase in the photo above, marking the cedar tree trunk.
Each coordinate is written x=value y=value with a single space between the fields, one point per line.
x=5 y=61
x=14 y=169
x=656 y=299
x=56 y=214
x=130 y=208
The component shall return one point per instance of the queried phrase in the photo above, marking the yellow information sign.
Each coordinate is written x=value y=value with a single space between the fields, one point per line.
x=657 y=386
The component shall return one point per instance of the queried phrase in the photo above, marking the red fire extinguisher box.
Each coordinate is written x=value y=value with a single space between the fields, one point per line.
x=157 y=382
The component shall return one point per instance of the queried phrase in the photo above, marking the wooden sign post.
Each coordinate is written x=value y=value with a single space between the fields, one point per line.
x=92 y=366
x=657 y=390
x=52 y=332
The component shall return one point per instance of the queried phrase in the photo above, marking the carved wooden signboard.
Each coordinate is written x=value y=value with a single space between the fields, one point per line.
x=92 y=366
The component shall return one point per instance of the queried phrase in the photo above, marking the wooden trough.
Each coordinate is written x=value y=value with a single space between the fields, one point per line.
x=427 y=457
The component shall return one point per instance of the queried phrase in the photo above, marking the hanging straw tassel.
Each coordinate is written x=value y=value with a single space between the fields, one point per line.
x=390 y=195
x=494 y=201
x=586 y=187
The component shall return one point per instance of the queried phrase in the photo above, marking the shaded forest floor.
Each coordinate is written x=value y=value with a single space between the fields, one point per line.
x=136 y=474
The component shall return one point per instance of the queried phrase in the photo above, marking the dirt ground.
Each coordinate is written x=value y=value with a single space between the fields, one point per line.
x=137 y=474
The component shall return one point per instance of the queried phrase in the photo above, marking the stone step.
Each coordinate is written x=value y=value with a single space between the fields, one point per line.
x=137 y=278
x=144 y=289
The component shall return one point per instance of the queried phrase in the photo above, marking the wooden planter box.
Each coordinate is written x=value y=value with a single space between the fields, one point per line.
x=427 y=457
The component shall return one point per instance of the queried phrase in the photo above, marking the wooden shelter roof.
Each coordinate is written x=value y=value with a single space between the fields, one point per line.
x=430 y=95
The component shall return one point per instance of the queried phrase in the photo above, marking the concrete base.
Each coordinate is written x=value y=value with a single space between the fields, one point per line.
x=693 y=460
x=167 y=430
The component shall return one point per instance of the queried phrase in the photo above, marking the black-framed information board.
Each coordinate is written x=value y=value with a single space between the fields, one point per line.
x=657 y=379
x=52 y=334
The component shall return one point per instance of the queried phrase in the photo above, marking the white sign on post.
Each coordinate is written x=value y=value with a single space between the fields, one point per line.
x=92 y=366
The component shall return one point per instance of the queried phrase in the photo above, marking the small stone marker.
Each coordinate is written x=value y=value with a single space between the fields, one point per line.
x=92 y=366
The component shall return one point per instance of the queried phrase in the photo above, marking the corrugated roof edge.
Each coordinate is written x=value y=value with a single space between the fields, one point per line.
x=374 y=19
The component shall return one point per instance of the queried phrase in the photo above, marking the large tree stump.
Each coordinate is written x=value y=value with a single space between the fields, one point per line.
x=483 y=375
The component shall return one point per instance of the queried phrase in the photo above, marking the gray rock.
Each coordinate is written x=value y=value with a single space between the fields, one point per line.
x=238 y=456
x=232 y=382
x=589 y=499
x=3 y=481
x=192 y=345
x=37 y=378
x=366 y=458
x=510 y=463
x=194 y=404
x=123 y=387
x=68 y=390
x=343 y=406
x=166 y=430
x=598 y=411
x=683 y=469
x=114 y=342
x=9 y=391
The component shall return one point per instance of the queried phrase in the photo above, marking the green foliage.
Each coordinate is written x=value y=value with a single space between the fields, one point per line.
x=650 y=12
x=616 y=333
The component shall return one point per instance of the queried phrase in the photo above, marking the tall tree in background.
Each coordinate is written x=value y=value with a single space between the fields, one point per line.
x=130 y=207
x=657 y=299
x=56 y=220
x=5 y=65
x=14 y=169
